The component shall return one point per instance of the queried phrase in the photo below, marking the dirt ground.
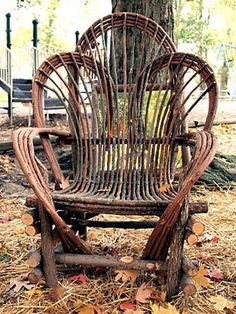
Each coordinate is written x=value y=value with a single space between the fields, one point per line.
x=100 y=290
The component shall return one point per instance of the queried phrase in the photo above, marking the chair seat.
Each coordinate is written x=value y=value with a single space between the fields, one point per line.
x=114 y=188
x=101 y=204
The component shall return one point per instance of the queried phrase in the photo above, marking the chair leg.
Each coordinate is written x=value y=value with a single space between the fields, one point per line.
x=81 y=229
x=175 y=254
x=49 y=264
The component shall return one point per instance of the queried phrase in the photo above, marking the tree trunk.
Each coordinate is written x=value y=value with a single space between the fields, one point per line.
x=160 y=11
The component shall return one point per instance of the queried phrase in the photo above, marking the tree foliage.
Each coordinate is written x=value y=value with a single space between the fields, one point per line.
x=205 y=24
x=193 y=19
x=25 y=3
x=48 y=28
x=47 y=25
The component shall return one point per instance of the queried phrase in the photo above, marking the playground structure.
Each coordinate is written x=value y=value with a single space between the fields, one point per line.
x=16 y=76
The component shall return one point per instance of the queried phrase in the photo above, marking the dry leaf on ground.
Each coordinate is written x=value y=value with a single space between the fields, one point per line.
x=137 y=311
x=126 y=275
x=212 y=239
x=92 y=235
x=216 y=275
x=201 y=279
x=90 y=309
x=220 y=303
x=127 y=306
x=20 y=282
x=4 y=220
x=144 y=293
x=34 y=292
x=80 y=277
x=170 y=309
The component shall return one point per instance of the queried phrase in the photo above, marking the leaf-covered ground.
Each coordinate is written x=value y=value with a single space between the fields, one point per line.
x=102 y=290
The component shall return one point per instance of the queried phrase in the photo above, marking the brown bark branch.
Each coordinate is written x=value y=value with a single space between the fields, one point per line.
x=109 y=261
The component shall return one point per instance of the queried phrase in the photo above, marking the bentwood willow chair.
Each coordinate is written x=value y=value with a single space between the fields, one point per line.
x=128 y=95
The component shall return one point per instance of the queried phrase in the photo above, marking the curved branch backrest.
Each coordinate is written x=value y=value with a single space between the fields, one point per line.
x=125 y=43
x=188 y=85
x=128 y=150
x=103 y=30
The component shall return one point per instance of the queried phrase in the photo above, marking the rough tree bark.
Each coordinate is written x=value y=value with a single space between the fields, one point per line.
x=160 y=11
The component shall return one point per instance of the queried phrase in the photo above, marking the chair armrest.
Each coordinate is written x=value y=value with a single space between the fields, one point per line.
x=205 y=145
x=44 y=133
x=159 y=240
x=33 y=169
x=35 y=173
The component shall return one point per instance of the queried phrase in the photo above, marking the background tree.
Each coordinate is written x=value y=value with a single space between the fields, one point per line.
x=192 y=25
x=47 y=25
x=24 y=3
x=48 y=29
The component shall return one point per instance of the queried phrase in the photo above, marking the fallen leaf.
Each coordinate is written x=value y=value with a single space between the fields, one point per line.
x=127 y=259
x=213 y=239
x=216 y=275
x=4 y=220
x=120 y=291
x=65 y=184
x=203 y=256
x=79 y=303
x=34 y=291
x=19 y=231
x=144 y=293
x=201 y=279
x=170 y=309
x=155 y=308
x=127 y=306
x=92 y=236
x=81 y=278
x=137 y=311
x=98 y=309
x=20 y=282
x=137 y=248
x=90 y=309
x=220 y=303
x=126 y=275
x=5 y=209
x=86 y=309
x=164 y=187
